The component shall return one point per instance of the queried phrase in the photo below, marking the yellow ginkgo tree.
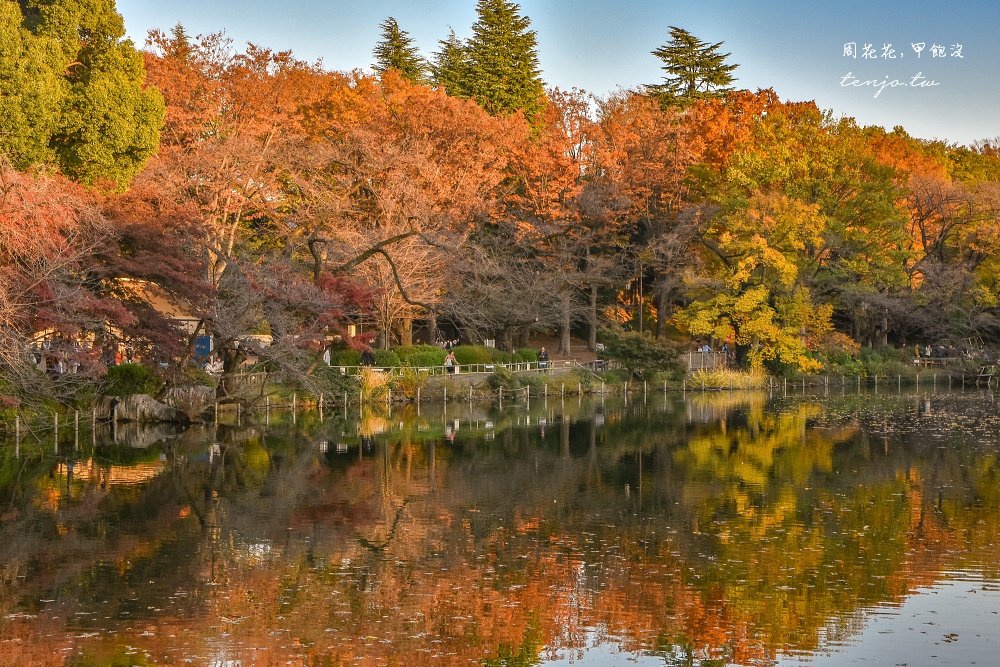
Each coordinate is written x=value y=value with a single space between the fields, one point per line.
x=755 y=298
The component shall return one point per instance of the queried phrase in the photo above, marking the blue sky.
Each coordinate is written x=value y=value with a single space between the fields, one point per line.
x=797 y=48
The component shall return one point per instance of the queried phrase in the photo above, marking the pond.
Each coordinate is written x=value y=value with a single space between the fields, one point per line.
x=727 y=528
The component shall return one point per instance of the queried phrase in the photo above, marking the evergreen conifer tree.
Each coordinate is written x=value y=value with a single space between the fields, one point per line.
x=396 y=50
x=503 y=75
x=450 y=70
x=693 y=70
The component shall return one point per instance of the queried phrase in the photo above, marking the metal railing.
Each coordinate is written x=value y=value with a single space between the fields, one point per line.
x=466 y=369
x=706 y=360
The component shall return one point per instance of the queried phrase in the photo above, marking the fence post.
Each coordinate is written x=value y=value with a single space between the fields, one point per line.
x=17 y=436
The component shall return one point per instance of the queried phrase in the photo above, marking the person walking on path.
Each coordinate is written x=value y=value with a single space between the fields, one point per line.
x=450 y=362
x=543 y=358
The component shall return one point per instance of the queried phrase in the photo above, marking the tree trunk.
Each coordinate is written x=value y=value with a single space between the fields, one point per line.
x=662 y=311
x=406 y=331
x=434 y=328
x=592 y=315
x=564 y=326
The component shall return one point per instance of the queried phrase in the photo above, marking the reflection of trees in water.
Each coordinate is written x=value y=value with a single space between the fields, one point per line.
x=730 y=537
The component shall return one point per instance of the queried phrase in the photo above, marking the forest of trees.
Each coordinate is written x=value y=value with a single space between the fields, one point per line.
x=265 y=195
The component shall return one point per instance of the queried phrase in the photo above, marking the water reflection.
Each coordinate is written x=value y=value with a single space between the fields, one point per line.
x=725 y=528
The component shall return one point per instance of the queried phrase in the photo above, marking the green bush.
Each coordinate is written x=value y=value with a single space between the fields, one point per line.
x=473 y=354
x=502 y=377
x=345 y=357
x=387 y=358
x=499 y=356
x=334 y=383
x=421 y=356
x=639 y=351
x=127 y=379
x=525 y=354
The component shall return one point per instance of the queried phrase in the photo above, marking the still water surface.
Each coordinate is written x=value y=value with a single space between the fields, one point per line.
x=715 y=529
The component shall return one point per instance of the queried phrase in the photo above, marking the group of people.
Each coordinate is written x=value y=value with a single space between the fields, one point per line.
x=705 y=347
x=447 y=344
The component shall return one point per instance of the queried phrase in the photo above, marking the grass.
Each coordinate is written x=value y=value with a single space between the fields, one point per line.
x=724 y=378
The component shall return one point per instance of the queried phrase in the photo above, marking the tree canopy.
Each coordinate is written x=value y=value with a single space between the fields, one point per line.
x=396 y=50
x=503 y=73
x=74 y=91
x=693 y=70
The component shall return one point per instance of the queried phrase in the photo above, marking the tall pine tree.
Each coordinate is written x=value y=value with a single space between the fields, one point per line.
x=396 y=51
x=693 y=70
x=503 y=75
x=450 y=70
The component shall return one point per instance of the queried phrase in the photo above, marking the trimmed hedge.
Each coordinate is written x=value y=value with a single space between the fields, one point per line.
x=474 y=354
x=422 y=356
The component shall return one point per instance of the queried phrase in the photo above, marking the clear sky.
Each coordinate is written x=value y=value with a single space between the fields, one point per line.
x=795 y=47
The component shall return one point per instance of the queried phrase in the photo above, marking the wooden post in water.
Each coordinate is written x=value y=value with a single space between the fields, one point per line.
x=562 y=391
x=446 y=395
x=935 y=382
x=321 y=408
x=17 y=436
x=55 y=432
x=295 y=398
x=579 y=389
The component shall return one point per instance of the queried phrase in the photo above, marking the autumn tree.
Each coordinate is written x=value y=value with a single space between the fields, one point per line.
x=396 y=176
x=396 y=50
x=49 y=230
x=693 y=70
x=641 y=157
